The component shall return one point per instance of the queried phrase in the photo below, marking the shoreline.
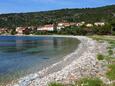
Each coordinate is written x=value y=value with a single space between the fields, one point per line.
x=81 y=63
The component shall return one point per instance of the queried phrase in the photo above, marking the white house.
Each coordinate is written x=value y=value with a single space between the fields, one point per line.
x=60 y=26
x=89 y=25
x=64 y=24
x=99 y=23
x=46 y=28
x=80 y=23
x=20 y=30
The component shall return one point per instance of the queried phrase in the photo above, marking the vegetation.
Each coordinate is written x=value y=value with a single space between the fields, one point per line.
x=110 y=58
x=83 y=82
x=110 y=51
x=111 y=72
x=73 y=30
x=100 y=57
x=102 y=30
x=89 y=82
x=43 y=32
x=83 y=30
x=55 y=84
x=89 y=15
x=111 y=65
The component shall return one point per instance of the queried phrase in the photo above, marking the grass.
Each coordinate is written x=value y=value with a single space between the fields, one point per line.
x=111 y=60
x=109 y=39
x=100 y=57
x=82 y=82
x=111 y=72
x=55 y=84
x=89 y=82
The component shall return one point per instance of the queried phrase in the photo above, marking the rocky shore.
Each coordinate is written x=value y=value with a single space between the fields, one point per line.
x=81 y=63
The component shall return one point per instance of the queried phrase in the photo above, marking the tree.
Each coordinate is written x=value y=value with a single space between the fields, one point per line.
x=73 y=30
x=102 y=30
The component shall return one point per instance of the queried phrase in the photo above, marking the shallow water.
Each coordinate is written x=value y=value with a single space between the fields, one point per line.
x=22 y=55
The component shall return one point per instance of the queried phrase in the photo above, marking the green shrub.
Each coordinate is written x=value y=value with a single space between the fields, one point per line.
x=113 y=33
x=89 y=82
x=100 y=57
x=111 y=72
x=110 y=52
x=55 y=84
x=109 y=47
x=73 y=30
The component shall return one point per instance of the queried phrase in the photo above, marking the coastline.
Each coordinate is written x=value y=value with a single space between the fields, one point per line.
x=81 y=63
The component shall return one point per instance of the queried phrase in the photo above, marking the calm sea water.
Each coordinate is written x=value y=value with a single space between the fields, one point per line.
x=22 y=55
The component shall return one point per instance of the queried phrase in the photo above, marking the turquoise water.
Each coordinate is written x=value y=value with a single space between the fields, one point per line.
x=22 y=55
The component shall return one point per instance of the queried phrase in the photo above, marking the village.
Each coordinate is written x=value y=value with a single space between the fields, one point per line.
x=48 y=27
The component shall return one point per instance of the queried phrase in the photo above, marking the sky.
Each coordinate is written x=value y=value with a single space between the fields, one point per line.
x=18 y=6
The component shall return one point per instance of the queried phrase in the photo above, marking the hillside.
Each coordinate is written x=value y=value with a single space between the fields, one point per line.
x=106 y=13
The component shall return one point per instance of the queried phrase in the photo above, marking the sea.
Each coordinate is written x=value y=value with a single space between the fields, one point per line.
x=23 y=55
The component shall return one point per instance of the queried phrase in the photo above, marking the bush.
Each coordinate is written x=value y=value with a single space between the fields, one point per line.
x=113 y=33
x=110 y=52
x=102 y=30
x=100 y=57
x=73 y=30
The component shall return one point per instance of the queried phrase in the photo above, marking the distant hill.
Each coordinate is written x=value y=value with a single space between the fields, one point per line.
x=105 y=13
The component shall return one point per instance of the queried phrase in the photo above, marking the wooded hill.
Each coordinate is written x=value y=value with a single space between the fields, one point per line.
x=89 y=15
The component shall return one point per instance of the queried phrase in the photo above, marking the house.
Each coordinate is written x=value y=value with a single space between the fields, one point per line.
x=20 y=30
x=89 y=25
x=72 y=23
x=60 y=26
x=3 y=30
x=63 y=24
x=99 y=23
x=80 y=23
x=31 y=28
x=46 y=28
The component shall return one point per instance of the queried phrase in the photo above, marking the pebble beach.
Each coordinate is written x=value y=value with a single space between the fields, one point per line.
x=80 y=63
